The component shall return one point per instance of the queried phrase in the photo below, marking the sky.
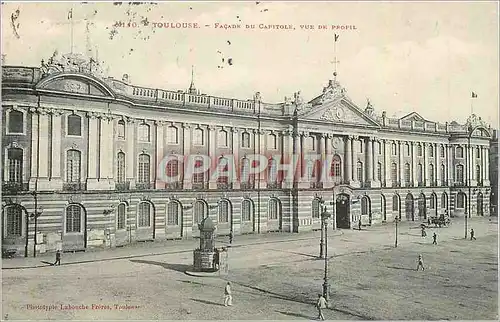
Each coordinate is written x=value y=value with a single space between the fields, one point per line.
x=425 y=57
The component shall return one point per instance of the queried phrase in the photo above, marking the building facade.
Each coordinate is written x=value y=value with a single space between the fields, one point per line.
x=83 y=159
x=494 y=174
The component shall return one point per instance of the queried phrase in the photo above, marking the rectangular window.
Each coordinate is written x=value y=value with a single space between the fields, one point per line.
x=172 y=135
x=198 y=136
x=143 y=133
x=15 y=157
x=121 y=130
x=74 y=125
x=120 y=220
x=144 y=215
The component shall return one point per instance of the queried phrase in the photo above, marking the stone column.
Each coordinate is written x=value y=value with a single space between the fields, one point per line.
x=92 y=152
x=130 y=163
x=261 y=150
x=43 y=155
x=160 y=135
x=426 y=165
x=487 y=168
x=303 y=182
x=438 y=165
x=106 y=156
x=214 y=159
x=34 y=147
x=401 y=163
x=474 y=177
x=413 y=177
x=235 y=140
x=387 y=163
x=186 y=141
x=450 y=173
x=369 y=161
x=484 y=170
x=348 y=159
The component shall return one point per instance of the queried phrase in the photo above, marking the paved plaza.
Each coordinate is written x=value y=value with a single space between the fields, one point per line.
x=278 y=279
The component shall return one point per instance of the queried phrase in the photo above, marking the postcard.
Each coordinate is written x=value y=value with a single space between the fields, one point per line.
x=252 y=160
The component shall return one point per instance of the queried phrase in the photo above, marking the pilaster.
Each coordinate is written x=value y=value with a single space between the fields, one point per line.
x=130 y=163
x=236 y=155
x=387 y=162
x=304 y=182
x=426 y=165
x=34 y=148
x=401 y=166
x=186 y=141
x=214 y=159
x=43 y=155
x=160 y=135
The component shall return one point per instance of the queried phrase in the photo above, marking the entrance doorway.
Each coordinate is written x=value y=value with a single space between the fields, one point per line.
x=480 y=204
x=410 y=215
x=342 y=211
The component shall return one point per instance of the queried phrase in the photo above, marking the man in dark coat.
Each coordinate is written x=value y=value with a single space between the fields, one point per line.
x=58 y=258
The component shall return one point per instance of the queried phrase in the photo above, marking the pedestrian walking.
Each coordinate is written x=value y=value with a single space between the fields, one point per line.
x=228 y=298
x=58 y=258
x=472 y=234
x=321 y=304
x=231 y=237
x=420 y=262
x=359 y=224
x=434 y=239
x=424 y=234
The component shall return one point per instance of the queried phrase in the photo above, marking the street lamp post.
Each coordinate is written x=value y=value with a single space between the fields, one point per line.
x=326 y=286
x=396 y=241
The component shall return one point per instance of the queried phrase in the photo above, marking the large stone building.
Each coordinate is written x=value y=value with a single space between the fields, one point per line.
x=84 y=152
x=494 y=196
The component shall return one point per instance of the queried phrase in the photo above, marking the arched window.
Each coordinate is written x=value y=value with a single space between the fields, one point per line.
x=172 y=135
x=360 y=171
x=121 y=216
x=316 y=208
x=379 y=171
x=74 y=125
x=73 y=166
x=198 y=177
x=246 y=210
x=407 y=173
x=16 y=122
x=245 y=140
x=15 y=164
x=273 y=171
x=443 y=175
x=172 y=168
x=478 y=152
x=442 y=153
x=407 y=148
x=200 y=212
x=336 y=170
x=272 y=142
x=361 y=146
x=144 y=214
x=459 y=152
x=13 y=221
x=143 y=170
x=223 y=211
x=431 y=174
x=365 y=206
x=460 y=203
x=460 y=173
x=394 y=149
x=478 y=173
x=395 y=203
x=420 y=174
x=222 y=139
x=394 y=172
x=444 y=200
x=143 y=132
x=198 y=137
x=274 y=209
x=120 y=167
x=74 y=219
x=432 y=201
x=121 y=130
x=173 y=213
x=222 y=169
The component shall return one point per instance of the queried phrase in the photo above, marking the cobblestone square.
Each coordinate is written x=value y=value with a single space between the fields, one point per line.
x=370 y=279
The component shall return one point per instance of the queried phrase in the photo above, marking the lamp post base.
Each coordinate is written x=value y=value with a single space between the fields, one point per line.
x=321 y=249
x=326 y=291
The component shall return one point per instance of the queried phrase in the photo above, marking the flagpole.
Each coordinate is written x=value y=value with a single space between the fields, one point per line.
x=71 y=27
x=335 y=57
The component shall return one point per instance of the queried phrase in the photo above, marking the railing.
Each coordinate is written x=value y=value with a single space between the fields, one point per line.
x=74 y=186
x=122 y=186
x=224 y=185
x=247 y=185
x=173 y=186
x=14 y=187
x=143 y=185
x=396 y=184
x=199 y=185
x=316 y=185
x=274 y=185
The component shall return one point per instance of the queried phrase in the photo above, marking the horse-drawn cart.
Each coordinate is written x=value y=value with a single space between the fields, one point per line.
x=441 y=221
